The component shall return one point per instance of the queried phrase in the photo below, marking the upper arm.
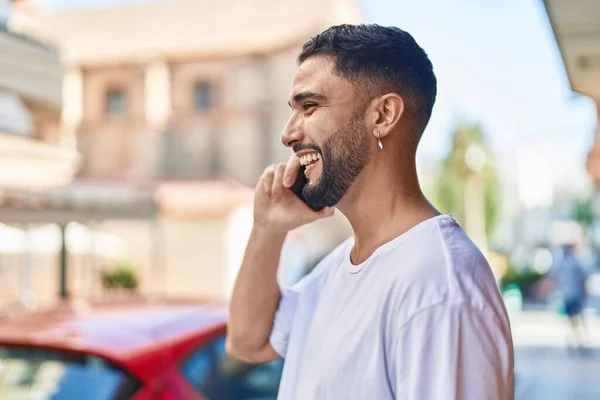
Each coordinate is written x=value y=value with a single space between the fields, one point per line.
x=276 y=344
x=453 y=352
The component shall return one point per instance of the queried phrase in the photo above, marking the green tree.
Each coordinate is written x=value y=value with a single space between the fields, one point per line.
x=450 y=190
x=582 y=211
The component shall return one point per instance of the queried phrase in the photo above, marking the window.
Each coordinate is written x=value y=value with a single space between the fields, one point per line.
x=217 y=376
x=198 y=371
x=28 y=372
x=203 y=96
x=115 y=103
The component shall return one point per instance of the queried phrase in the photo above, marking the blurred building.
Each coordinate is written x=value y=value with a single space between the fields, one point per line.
x=30 y=107
x=183 y=100
x=575 y=24
x=38 y=163
x=183 y=89
x=34 y=157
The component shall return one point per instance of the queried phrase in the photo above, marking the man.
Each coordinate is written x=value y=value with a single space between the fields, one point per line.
x=569 y=279
x=408 y=307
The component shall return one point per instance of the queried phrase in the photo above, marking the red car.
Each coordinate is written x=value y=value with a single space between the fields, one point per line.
x=160 y=350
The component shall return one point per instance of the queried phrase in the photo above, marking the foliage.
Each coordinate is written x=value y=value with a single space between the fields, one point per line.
x=450 y=193
x=124 y=276
x=525 y=279
x=583 y=212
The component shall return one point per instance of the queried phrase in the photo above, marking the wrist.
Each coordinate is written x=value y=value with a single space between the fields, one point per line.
x=268 y=233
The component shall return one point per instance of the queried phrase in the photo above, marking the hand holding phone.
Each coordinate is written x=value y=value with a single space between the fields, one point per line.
x=299 y=184
x=276 y=196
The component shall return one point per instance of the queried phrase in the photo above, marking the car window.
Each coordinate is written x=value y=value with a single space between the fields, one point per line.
x=31 y=373
x=198 y=371
x=216 y=376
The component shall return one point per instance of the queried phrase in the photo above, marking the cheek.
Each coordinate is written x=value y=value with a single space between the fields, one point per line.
x=319 y=127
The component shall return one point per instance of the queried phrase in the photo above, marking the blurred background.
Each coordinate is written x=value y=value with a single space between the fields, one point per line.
x=132 y=133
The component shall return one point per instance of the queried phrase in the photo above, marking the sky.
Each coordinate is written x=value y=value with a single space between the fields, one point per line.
x=497 y=64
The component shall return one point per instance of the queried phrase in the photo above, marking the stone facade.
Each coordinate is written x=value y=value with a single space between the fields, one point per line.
x=191 y=98
x=188 y=102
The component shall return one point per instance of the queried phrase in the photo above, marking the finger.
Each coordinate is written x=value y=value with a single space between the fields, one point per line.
x=277 y=186
x=291 y=171
x=266 y=180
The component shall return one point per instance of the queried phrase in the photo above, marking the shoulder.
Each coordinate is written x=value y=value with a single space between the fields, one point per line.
x=457 y=337
x=444 y=317
x=444 y=268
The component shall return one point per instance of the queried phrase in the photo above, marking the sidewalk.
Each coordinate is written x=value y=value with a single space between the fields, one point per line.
x=548 y=329
x=544 y=368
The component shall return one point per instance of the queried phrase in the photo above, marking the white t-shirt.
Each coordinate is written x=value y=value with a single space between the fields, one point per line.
x=421 y=319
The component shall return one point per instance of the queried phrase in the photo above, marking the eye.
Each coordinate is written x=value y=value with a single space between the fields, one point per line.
x=308 y=106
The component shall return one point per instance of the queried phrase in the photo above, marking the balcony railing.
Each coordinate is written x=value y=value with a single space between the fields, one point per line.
x=30 y=69
x=33 y=164
x=185 y=156
x=139 y=155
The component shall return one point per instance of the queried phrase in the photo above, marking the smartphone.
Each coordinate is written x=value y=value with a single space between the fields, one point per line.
x=300 y=182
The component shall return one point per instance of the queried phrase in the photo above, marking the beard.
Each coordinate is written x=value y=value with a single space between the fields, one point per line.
x=343 y=156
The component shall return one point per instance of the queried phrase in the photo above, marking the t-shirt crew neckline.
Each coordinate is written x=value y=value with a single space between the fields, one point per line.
x=355 y=269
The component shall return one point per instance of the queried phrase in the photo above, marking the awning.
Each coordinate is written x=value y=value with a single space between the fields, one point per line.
x=576 y=26
x=81 y=202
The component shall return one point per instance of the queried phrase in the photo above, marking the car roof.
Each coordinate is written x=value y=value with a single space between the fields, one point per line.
x=114 y=328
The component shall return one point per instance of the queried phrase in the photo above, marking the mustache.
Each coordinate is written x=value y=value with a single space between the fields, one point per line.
x=307 y=146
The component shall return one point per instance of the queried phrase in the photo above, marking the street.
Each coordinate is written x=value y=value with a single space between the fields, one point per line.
x=545 y=368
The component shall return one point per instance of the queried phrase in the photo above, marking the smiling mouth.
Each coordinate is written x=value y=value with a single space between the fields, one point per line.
x=309 y=159
x=310 y=162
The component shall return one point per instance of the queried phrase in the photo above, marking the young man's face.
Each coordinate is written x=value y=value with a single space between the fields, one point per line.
x=327 y=131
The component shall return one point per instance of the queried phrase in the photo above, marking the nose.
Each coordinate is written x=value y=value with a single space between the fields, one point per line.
x=292 y=132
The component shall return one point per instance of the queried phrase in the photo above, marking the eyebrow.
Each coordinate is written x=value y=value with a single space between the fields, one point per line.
x=298 y=97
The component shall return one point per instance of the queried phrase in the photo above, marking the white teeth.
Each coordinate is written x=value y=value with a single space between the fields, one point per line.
x=308 y=158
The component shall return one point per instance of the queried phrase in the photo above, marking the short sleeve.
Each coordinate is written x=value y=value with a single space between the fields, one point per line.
x=298 y=302
x=453 y=352
x=284 y=318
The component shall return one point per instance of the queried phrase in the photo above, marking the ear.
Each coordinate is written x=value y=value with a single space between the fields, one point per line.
x=387 y=112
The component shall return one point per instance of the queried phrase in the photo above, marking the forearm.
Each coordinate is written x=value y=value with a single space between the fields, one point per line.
x=256 y=292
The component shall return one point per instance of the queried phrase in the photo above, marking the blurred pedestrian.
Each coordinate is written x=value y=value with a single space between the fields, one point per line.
x=569 y=280
x=407 y=308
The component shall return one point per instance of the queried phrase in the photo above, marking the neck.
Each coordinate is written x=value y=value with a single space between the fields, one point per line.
x=385 y=201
